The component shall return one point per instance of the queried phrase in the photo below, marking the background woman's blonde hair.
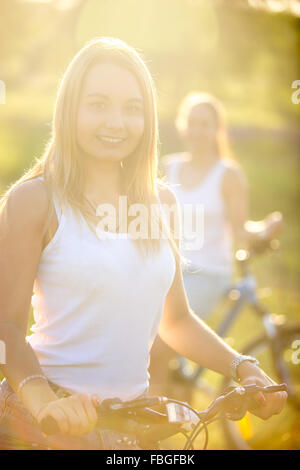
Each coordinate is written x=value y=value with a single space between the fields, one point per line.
x=62 y=165
x=200 y=98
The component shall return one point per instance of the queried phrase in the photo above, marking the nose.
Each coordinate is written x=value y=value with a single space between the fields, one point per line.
x=114 y=119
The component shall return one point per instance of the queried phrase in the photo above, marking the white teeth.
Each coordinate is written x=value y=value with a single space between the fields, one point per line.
x=110 y=139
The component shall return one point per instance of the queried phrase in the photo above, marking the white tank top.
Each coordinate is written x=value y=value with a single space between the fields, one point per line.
x=215 y=252
x=97 y=306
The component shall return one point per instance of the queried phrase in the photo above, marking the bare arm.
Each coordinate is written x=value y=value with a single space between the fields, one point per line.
x=235 y=191
x=183 y=331
x=21 y=243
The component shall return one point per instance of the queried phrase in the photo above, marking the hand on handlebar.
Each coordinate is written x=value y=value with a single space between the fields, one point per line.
x=264 y=405
x=273 y=225
x=73 y=416
x=265 y=233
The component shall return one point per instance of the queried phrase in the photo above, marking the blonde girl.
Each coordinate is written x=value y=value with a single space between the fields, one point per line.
x=101 y=293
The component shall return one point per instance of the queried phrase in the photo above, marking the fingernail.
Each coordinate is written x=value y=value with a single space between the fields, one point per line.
x=261 y=398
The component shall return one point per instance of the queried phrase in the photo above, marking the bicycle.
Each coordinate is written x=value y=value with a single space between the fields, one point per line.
x=154 y=419
x=275 y=349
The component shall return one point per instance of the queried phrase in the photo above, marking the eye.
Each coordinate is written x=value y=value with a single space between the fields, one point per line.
x=98 y=105
x=134 y=108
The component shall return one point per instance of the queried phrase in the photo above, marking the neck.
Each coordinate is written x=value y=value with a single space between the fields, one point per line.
x=103 y=177
x=203 y=160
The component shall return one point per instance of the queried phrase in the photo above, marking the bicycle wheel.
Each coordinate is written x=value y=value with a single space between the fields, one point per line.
x=280 y=431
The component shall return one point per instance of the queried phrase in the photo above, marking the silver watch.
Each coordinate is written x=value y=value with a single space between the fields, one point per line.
x=237 y=361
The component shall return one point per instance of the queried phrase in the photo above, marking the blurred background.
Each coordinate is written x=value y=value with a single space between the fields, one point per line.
x=245 y=52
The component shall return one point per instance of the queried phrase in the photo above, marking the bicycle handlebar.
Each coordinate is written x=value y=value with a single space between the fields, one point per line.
x=256 y=248
x=234 y=403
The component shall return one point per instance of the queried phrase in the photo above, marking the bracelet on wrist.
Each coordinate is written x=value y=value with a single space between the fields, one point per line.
x=28 y=379
x=237 y=361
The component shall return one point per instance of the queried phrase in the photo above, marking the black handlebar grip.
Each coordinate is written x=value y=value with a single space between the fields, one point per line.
x=49 y=426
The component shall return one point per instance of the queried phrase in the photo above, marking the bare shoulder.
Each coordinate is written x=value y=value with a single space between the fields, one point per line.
x=234 y=175
x=170 y=205
x=171 y=158
x=28 y=204
x=166 y=194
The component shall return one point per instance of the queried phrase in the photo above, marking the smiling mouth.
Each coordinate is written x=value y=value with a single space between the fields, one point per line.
x=110 y=140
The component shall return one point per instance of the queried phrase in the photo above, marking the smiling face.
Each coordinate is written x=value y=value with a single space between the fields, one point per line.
x=201 y=128
x=110 y=117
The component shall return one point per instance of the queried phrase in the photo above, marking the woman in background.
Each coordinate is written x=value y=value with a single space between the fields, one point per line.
x=206 y=175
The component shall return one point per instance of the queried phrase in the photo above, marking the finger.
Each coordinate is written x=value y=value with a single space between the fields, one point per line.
x=285 y=397
x=68 y=407
x=274 y=405
x=263 y=414
x=82 y=425
x=59 y=415
x=281 y=398
x=95 y=400
x=89 y=409
x=260 y=399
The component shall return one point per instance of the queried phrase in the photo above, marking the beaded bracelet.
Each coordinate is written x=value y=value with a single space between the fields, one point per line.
x=27 y=379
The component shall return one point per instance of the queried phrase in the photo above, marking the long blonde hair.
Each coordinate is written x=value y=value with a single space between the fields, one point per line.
x=201 y=98
x=61 y=164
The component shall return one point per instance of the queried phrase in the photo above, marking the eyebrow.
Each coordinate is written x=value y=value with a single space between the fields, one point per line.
x=100 y=95
x=97 y=94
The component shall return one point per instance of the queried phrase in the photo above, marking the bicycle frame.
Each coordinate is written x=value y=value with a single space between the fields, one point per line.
x=246 y=294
